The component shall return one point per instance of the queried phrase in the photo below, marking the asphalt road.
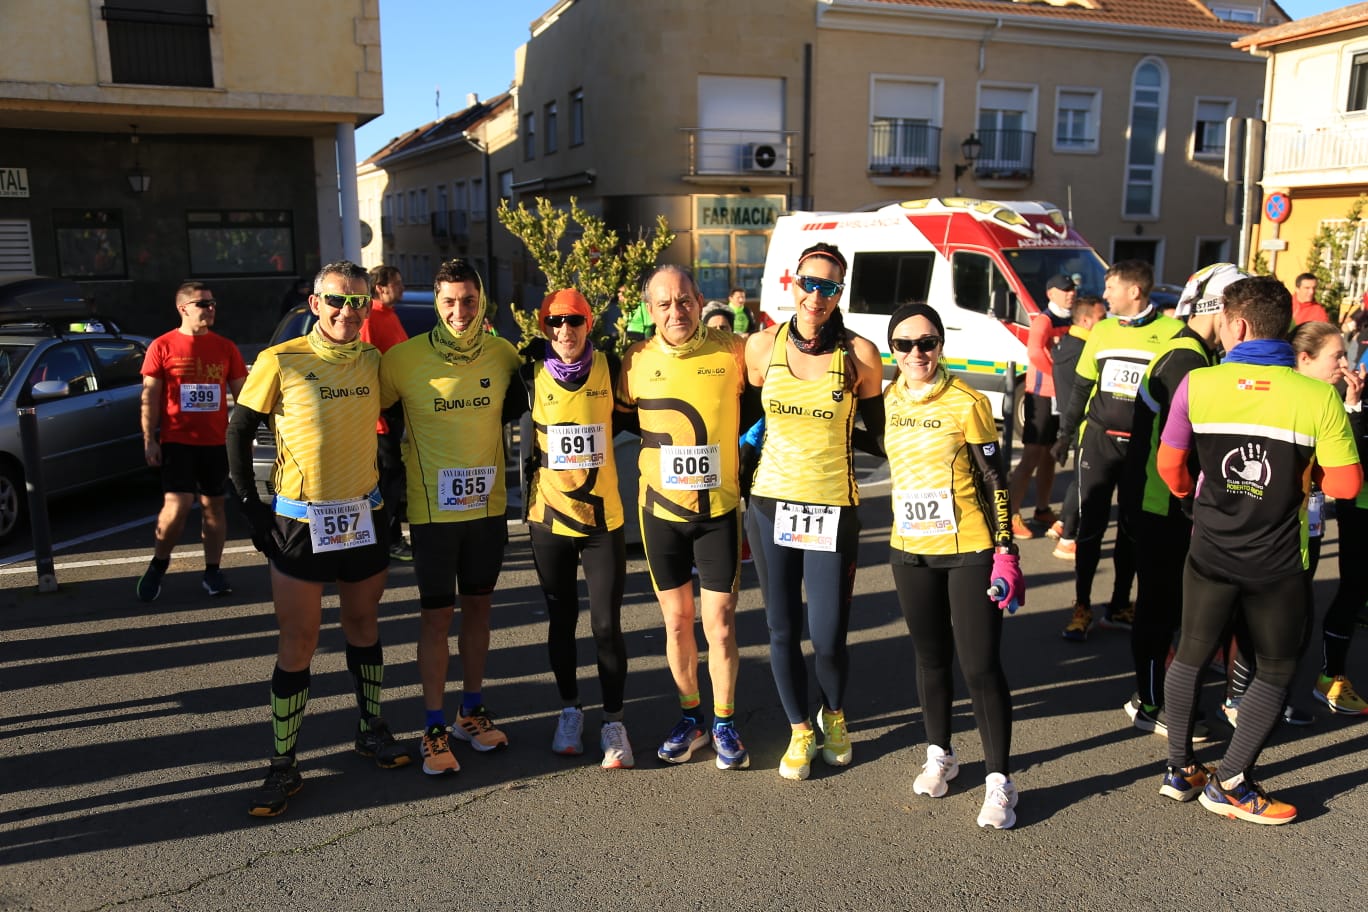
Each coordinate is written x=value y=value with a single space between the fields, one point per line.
x=132 y=733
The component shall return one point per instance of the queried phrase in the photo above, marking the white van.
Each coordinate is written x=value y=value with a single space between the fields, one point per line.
x=982 y=264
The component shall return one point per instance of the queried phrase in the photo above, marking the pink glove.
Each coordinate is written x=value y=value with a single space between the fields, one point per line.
x=1007 y=567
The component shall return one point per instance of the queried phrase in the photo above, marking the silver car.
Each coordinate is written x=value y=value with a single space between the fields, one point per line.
x=92 y=434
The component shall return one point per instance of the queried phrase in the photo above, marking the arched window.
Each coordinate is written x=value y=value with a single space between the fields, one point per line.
x=1145 y=143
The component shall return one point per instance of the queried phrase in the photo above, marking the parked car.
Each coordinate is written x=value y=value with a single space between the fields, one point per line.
x=88 y=436
x=415 y=311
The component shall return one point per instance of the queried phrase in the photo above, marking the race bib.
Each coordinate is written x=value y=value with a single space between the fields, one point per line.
x=465 y=489
x=691 y=468
x=336 y=525
x=806 y=526
x=917 y=513
x=200 y=397
x=1315 y=514
x=576 y=446
x=1121 y=378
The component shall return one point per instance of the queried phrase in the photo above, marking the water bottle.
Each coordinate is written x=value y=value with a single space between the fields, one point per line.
x=998 y=590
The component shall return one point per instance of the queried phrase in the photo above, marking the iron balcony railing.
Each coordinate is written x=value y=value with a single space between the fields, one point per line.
x=1006 y=155
x=904 y=147
x=740 y=152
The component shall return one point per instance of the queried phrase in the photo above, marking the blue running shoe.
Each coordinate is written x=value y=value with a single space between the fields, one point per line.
x=1186 y=783
x=685 y=738
x=731 y=753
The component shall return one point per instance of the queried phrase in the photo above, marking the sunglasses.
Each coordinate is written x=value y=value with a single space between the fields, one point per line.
x=205 y=304
x=572 y=320
x=926 y=344
x=824 y=287
x=339 y=301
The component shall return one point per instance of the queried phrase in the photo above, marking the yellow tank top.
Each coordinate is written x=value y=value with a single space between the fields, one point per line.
x=576 y=489
x=324 y=416
x=806 y=455
x=453 y=448
x=935 y=498
x=690 y=412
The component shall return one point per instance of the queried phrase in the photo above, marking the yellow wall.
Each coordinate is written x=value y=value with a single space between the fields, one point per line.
x=1309 y=209
x=47 y=41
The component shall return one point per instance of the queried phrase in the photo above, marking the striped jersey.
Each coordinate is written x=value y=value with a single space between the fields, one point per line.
x=1114 y=359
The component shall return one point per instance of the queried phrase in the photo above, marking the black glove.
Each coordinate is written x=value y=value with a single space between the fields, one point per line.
x=261 y=518
x=1060 y=449
x=750 y=458
x=534 y=350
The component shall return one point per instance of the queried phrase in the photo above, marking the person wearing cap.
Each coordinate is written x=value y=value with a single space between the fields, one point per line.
x=685 y=385
x=574 y=514
x=383 y=330
x=1100 y=414
x=1042 y=423
x=1160 y=520
x=453 y=384
x=719 y=316
x=951 y=539
x=802 y=520
x=188 y=374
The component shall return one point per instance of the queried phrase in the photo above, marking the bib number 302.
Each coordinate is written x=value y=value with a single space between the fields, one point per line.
x=337 y=525
x=924 y=512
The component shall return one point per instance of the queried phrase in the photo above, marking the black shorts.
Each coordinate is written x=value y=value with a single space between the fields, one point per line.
x=450 y=553
x=188 y=468
x=350 y=565
x=673 y=549
x=1042 y=425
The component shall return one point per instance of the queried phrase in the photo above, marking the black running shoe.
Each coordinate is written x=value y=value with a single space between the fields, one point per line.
x=215 y=583
x=149 y=584
x=282 y=781
x=379 y=744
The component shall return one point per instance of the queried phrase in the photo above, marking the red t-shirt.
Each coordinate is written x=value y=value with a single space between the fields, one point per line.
x=195 y=372
x=383 y=330
x=1301 y=313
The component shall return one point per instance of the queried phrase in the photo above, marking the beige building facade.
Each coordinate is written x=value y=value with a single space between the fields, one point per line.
x=1315 y=140
x=149 y=141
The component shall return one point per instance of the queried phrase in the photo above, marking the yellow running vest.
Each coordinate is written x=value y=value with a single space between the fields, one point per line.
x=576 y=487
x=806 y=455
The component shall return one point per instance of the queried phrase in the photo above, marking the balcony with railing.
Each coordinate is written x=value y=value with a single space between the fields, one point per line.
x=758 y=156
x=1008 y=156
x=905 y=151
x=1324 y=152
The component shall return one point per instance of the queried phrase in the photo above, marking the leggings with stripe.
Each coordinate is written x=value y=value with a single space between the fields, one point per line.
x=1274 y=615
x=948 y=614
x=829 y=577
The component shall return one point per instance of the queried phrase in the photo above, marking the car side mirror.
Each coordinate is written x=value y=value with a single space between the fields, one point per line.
x=46 y=390
x=1004 y=303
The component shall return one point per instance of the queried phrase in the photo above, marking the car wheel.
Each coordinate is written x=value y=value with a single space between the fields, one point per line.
x=13 y=503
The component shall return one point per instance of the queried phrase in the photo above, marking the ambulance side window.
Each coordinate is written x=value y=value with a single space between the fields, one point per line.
x=974 y=276
x=879 y=282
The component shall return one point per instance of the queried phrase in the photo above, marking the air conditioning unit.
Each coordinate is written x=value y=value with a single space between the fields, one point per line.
x=763 y=157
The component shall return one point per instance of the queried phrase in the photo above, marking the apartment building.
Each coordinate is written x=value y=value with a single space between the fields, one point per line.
x=1113 y=110
x=149 y=141
x=432 y=194
x=1316 y=139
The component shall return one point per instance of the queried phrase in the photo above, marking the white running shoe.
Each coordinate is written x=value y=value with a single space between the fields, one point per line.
x=941 y=766
x=569 y=728
x=617 y=750
x=998 y=803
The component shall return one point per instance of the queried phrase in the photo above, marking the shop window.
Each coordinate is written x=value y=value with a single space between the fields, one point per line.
x=90 y=243
x=241 y=242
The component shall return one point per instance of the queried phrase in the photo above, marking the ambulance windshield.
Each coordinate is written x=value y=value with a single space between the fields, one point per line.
x=1036 y=265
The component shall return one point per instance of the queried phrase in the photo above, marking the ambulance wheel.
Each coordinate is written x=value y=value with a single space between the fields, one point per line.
x=1019 y=412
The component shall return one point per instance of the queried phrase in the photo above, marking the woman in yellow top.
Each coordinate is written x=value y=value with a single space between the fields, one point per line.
x=574 y=514
x=951 y=539
x=802 y=522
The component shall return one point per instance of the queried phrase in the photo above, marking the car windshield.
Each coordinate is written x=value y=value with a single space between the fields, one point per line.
x=12 y=355
x=1036 y=265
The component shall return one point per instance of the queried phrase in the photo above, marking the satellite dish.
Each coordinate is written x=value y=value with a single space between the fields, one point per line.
x=367 y=235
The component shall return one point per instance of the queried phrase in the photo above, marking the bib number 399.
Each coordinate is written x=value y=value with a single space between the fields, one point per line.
x=340 y=524
x=808 y=527
x=199 y=397
x=465 y=489
x=691 y=468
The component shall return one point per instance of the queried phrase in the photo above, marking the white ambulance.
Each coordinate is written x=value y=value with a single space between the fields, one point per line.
x=982 y=264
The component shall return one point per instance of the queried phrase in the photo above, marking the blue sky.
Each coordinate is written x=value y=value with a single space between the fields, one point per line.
x=467 y=46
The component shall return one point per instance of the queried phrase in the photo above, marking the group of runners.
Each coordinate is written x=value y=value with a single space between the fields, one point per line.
x=762 y=427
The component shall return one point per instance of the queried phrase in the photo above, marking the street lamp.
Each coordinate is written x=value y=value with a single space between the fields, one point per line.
x=971 y=149
x=490 y=267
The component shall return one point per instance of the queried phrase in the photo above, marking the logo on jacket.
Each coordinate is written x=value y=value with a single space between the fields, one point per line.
x=1246 y=470
x=1259 y=386
x=484 y=383
x=837 y=395
x=311 y=376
